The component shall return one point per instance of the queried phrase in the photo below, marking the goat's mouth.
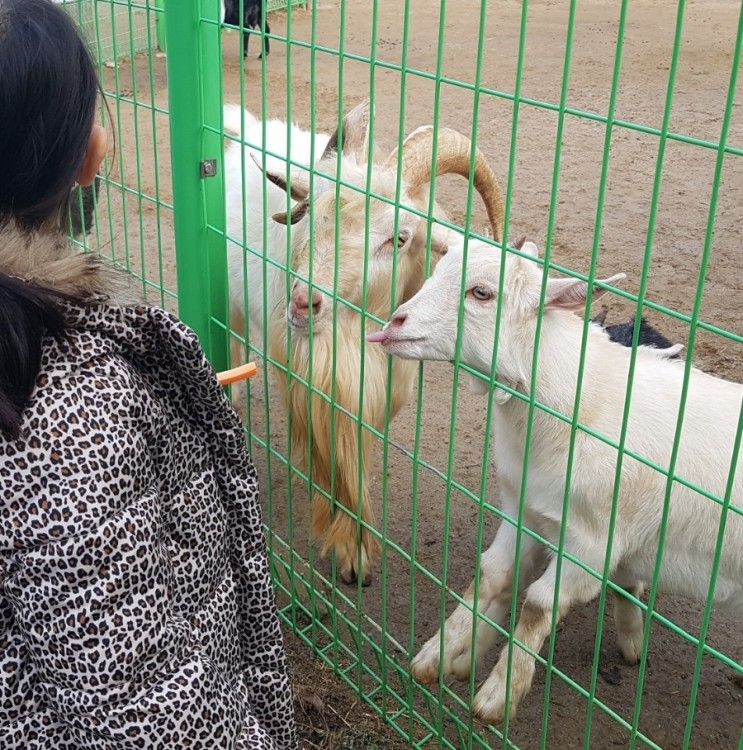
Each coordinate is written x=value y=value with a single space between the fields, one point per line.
x=301 y=324
x=391 y=340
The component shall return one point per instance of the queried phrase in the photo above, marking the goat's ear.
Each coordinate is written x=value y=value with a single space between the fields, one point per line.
x=355 y=134
x=439 y=244
x=442 y=238
x=292 y=218
x=529 y=248
x=299 y=188
x=600 y=319
x=570 y=294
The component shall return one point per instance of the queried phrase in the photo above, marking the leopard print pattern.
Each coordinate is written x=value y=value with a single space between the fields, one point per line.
x=136 y=608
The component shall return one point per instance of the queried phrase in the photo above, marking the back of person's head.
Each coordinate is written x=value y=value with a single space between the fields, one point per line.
x=48 y=94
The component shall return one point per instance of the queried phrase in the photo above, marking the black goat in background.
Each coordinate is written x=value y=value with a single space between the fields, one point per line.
x=252 y=19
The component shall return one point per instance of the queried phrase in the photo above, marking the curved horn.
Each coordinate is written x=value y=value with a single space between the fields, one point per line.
x=300 y=187
x=453 y=157
x=299 y=210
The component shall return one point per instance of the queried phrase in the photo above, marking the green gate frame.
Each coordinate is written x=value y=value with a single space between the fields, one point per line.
x=196 y=157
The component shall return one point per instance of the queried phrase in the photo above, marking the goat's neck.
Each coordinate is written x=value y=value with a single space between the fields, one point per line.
x=558 y=361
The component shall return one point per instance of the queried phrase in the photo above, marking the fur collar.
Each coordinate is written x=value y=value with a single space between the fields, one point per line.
x=48 y=259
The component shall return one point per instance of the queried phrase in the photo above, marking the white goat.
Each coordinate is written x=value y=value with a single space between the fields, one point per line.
x=426 y=328
x=339 y=530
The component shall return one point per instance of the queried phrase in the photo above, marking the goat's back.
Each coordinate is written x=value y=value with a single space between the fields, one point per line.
x=703 y=458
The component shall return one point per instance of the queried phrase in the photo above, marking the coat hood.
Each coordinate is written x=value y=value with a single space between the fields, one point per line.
x=48 y=259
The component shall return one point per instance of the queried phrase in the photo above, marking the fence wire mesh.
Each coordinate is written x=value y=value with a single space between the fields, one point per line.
x=612 y=127
x=115 y=28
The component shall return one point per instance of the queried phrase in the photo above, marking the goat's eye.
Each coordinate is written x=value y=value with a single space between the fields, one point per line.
x=395 y=243
x=481 y=294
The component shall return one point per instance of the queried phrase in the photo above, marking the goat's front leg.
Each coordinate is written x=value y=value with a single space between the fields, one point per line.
x=494 y=600
x=535 y=622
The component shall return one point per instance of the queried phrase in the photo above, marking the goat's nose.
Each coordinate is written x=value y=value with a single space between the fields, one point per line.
x=397 y=321
x=301 y=297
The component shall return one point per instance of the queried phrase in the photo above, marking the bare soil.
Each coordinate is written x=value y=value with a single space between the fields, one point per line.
x=329 y=714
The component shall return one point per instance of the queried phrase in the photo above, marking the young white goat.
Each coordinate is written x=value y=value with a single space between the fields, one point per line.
x=426 y=328
x=374 y=293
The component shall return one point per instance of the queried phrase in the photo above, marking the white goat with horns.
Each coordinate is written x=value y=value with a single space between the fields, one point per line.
x=426 y=328
x=337 y=530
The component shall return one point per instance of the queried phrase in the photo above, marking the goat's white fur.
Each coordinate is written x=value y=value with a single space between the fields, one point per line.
x=339 y=530
x=429 y=331
x=259 y=208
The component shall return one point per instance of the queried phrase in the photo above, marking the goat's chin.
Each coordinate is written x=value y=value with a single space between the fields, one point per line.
x=413 y=349
x=301 y=327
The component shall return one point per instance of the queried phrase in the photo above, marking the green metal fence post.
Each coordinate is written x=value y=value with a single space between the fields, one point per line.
x=194 y=88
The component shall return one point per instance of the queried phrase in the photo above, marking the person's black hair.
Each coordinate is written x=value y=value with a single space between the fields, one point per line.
x=27 y=313
x=48 y=94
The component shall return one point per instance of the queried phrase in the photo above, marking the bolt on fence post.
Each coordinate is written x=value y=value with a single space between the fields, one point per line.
x=192 y=34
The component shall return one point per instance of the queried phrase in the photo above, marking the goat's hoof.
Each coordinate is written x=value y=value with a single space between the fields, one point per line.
x=351 y=566
x=487 y=715
x=461 y=661
x=457 y=664
x=350 y=578
x=630 y=644
x=457 y=655
x=424 y=671
x=425 y=664
x=489 y=705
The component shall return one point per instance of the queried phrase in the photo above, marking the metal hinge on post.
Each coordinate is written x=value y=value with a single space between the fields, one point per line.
x=208 y=168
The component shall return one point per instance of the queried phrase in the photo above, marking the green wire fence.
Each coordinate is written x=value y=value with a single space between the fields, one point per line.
x=160 y=216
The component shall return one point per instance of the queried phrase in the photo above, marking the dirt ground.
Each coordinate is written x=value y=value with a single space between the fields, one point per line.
x=329 y=713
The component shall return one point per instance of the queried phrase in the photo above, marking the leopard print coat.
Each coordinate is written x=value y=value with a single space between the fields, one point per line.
x=136 y=608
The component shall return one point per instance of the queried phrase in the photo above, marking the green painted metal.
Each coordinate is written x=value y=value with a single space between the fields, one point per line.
x=277 y=5
x=113 y=27
x=195 y=120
